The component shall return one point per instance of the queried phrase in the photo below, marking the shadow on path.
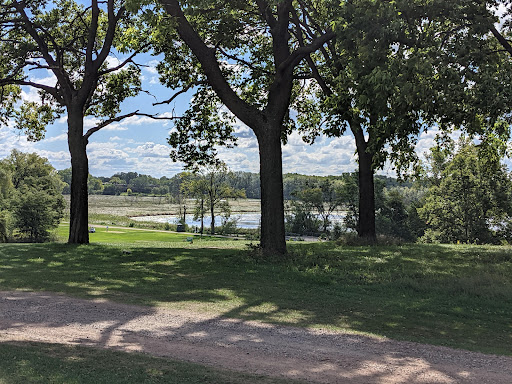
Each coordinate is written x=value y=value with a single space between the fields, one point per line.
x=312 y=355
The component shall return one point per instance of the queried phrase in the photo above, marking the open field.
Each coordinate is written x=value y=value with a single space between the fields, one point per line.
x=128 y=206
x=119 y=235
x=459 y=296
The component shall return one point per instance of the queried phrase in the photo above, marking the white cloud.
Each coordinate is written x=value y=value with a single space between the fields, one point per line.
x=61 y=137
x=151 y=67
x=152 y=150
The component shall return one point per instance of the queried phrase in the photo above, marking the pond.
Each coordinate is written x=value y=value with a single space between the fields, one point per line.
x=243 y=220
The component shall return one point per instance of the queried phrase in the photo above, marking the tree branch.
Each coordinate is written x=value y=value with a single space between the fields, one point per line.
x=51 y=90
x=109 y=37
x=122 y=117
x=184 y=90
x=311 y=63
x=242 y=61
x=93 y=28
x=128 y=60
x=206 y=56
x=301 y=52
x=501 y=39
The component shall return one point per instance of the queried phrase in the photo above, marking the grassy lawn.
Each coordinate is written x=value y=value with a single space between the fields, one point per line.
x=459 y=296
x=131 y=235
x=47 y=363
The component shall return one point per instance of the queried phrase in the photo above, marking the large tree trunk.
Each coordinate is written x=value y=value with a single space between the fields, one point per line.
x=366 y=196
x=273 y=240
x=79 y=214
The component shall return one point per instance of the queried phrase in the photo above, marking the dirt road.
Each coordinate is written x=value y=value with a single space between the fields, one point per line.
x=312 y=355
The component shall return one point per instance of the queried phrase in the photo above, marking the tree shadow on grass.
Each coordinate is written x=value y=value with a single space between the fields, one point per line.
x=430 y=294
x=233 y=344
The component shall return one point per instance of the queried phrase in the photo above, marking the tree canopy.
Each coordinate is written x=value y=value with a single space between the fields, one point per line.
x=396 y=69
x=72 y=43
x=245 y=56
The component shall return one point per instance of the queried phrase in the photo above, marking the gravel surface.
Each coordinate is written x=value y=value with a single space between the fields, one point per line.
x=253 y=347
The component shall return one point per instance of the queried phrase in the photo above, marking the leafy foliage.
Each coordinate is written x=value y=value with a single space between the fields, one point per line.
x=471 y=202
x=210 y=188
x=34 y=202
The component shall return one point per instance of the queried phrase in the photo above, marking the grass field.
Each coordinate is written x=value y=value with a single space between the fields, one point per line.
x=58 y=364
x=459 y=296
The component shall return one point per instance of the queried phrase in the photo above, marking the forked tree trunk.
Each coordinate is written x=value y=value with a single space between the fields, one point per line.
x=79 y=213
x=273 y=240
x=366 y=197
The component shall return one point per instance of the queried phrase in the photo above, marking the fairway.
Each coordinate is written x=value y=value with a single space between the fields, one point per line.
x=131 y=235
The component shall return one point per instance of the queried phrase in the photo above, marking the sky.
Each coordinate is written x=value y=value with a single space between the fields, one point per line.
x=139 y=144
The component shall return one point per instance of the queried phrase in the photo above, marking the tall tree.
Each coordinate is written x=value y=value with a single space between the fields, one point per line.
x=246 y=55
x=73 y=43
x=394 y=70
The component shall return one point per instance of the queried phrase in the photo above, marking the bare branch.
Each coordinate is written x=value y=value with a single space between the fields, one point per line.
x=128 y=60
x=184 y=90
x=51 y=90
x=122 y=117
x=242 y=61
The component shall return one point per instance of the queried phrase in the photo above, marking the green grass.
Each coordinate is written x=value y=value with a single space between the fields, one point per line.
x=127 y=235
x=459 y=296
x=46 y=363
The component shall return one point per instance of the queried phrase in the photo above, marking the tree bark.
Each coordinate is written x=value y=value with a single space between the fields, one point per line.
x=366 y=225
x=212 y=225
x=79 y=212
x=366 y=195
x=202 y=216
x=273 y=240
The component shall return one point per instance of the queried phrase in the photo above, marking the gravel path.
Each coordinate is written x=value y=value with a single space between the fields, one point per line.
x=312 y=355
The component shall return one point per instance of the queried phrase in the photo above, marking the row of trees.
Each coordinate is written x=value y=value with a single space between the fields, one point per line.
x=31 y=202
x=135 y=183
x=383 y=70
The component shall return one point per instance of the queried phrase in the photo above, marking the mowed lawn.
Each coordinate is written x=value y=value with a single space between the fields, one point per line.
x=458 y=296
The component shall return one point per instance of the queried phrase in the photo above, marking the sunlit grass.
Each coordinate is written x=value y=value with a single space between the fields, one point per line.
x=459 y=296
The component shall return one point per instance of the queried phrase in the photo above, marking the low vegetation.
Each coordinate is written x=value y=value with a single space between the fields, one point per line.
x=454 y=295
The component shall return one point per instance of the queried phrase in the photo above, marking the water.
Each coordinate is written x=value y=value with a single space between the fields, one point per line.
x=243 y=220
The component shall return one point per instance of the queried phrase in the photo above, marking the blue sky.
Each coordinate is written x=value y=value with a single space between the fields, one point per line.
x=139 y=143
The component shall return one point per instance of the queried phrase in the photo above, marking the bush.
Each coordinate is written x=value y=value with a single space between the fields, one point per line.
x=5 y=226
x=35 y=202
x=353 y=239
x=228 y=227
x=35 y=213
x=302 y=221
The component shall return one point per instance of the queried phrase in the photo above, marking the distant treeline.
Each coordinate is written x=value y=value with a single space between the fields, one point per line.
x=135 y=183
